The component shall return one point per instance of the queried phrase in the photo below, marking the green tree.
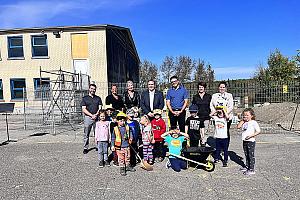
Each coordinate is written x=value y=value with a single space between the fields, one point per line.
x=200 y=71
x=148 y=71
x=279 y=68
x=210 y=74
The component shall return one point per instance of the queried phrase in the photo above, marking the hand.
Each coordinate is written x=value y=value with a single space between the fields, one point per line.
x=177 y=113
x=248 y=137
x=150 y=114
x=94 y=117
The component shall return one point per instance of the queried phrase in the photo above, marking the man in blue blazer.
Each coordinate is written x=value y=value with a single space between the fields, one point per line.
x=151 y=99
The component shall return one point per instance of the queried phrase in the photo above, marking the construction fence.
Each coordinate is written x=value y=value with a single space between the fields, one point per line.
x=54 y=106
x=275 y=102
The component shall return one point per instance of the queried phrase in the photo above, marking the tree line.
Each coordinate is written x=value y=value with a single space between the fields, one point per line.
x=185 y=67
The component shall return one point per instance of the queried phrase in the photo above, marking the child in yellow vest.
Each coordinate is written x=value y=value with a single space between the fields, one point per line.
x=120 y=142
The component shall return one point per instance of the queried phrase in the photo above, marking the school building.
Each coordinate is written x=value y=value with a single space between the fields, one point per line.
x=106 y=53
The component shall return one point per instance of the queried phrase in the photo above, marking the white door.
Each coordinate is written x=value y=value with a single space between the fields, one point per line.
x=81 y=66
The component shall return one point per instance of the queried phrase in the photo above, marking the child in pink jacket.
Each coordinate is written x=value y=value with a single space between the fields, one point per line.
x=102 y=138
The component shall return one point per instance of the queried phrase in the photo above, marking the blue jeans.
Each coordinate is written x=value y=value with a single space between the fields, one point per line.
x=177 y=164
x=102 y=150
x=222 y=143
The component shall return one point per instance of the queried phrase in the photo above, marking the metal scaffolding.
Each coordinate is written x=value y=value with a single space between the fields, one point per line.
x=60 y=98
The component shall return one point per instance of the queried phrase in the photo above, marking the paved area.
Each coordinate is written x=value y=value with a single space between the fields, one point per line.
x=53 y=167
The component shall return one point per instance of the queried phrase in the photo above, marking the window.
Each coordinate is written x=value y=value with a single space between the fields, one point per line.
x=15 y=47
x=41 y=88
x=39 y=46
x=17 y=86
x=1 y=89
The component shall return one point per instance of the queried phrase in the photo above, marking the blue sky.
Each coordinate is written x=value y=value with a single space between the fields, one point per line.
x=233 y=35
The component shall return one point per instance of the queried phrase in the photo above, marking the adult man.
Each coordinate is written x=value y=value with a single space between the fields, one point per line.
x=114 y=99
x=91 y=105
x=177 y=101
x=151 y=99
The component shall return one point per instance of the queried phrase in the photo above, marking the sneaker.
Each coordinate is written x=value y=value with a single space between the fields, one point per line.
x=85 y=151
x=122 y=171
x=116 y=164
x=225 y=164
x=249 y=172
x=101 y=164
x=106 y=163
x=130 y=169
x=243 y=169
x=216 y=161
x=168 y=164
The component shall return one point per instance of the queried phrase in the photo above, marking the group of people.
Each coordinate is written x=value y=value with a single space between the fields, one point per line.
x=133 y=124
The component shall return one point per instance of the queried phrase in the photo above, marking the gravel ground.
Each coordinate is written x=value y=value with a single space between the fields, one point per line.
x=53 y=167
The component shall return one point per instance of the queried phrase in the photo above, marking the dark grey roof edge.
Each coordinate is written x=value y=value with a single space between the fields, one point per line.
x=58 y=28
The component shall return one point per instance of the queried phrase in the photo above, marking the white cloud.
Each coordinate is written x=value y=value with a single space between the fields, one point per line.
x=38 y=13
x=224 y=73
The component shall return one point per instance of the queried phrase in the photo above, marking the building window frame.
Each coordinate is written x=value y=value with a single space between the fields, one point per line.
x=1 y=90
x=37 y=48
x=41 y=88
x=13 y=48
x=16 y=91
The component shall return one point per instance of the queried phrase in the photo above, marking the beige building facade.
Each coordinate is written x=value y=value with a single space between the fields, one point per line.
x=104 y=52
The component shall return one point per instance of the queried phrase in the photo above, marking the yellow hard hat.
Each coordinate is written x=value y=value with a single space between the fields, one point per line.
x=157 y=112
x=219 y=107
x=121 y=115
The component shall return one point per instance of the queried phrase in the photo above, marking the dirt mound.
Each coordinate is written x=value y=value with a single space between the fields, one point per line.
x=278 y=113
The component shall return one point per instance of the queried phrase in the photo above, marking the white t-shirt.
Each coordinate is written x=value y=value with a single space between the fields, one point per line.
x=249 y=128
x=220 y=127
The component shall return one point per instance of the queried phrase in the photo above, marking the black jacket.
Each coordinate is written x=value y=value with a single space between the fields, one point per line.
x=131 y=102
x=158 y=101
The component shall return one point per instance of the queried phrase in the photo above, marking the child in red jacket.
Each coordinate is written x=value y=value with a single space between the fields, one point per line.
x=158 y=128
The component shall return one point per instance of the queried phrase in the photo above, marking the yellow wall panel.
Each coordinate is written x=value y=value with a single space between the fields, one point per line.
x=79 y=46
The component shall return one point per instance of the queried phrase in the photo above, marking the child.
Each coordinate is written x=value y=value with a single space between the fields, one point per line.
x=120 y=141
x=220 y=118
x=250 y=129
x=102 y=138
x=147 y=139
x=175 y=138
x=135 y=128
x=136 y=113
x=158 y=128
x=193 y=126
x=109 y=112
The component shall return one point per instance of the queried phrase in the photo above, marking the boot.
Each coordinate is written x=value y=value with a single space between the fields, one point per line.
x=123 y=171
x=130 y=168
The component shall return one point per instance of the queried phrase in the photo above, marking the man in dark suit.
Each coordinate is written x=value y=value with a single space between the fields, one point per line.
x=151 y=99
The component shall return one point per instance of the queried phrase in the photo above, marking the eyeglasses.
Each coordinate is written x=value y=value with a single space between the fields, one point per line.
x=150 y=84
x=174 y=81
